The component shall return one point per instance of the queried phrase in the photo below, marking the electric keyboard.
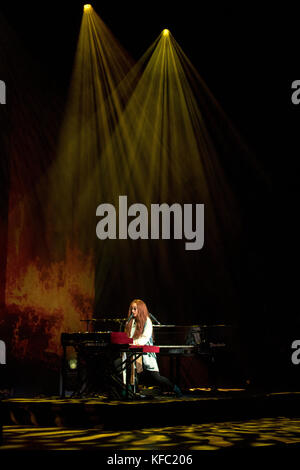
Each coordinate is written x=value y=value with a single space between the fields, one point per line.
x=99 y=339
x=105 y=339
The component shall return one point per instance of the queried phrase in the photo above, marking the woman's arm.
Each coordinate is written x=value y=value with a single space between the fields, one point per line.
x=146 y=335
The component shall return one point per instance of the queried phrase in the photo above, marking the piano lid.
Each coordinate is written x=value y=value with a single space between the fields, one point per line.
x=192 y=334
x=192 y=326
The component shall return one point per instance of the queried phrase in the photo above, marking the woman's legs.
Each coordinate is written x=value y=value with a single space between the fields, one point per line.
x=155 y=377
x=164 y=383
x=152 y=376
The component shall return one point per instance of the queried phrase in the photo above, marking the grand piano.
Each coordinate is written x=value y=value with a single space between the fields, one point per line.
x=187 y=354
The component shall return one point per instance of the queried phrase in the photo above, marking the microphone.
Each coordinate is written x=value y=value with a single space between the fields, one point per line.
x=129 y=318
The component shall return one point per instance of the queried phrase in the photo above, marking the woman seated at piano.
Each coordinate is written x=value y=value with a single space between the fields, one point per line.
x=139 y=327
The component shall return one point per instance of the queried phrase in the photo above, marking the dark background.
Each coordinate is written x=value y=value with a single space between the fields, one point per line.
x=247 y=55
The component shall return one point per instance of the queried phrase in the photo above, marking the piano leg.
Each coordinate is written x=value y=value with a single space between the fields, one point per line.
x=63 y=374
x=127 y=377
x=177 y=376
x=213 y=373
x=175 y=363
x=172 y=368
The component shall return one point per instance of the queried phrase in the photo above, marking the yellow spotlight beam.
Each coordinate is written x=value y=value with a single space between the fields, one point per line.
x=162 y=151
x=94 y=105
x=99 y=90
x=138 y=131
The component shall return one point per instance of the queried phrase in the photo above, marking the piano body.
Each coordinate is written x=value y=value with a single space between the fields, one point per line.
x=190 y=355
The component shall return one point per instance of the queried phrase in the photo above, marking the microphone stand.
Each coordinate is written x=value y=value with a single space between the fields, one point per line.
x=153 y=318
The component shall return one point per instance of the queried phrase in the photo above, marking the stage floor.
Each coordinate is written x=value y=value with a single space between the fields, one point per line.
x=270 y=433
x=202 y=420
x=196 y=407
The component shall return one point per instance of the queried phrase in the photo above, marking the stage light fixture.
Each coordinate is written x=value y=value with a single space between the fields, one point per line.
x=166 y=32
x=87 y=7
x=73 y=364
